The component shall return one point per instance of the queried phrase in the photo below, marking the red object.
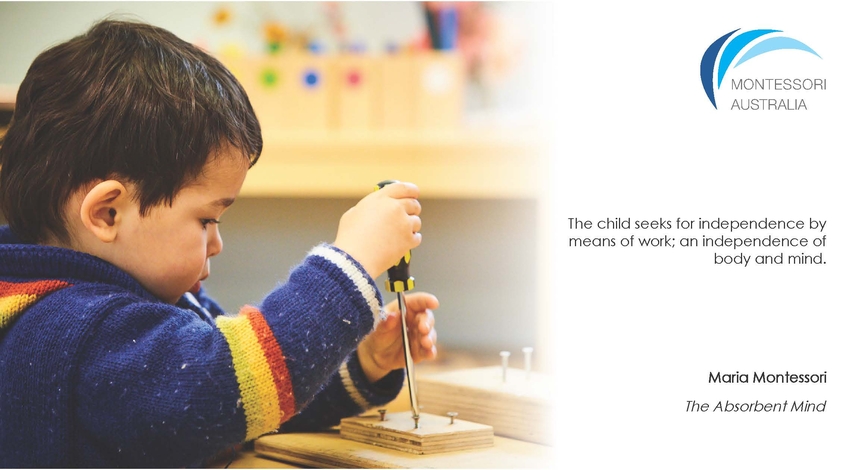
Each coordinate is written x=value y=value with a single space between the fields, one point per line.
x=353 y=77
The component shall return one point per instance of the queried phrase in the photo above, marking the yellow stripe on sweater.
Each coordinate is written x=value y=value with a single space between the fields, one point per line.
x=12 y=305
x=256 y=385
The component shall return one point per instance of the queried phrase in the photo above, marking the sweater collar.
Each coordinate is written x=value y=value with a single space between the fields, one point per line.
x=30 y=261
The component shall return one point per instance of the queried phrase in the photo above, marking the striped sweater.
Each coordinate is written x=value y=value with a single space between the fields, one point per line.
x=95 y=371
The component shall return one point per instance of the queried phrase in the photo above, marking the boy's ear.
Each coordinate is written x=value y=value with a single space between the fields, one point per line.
x=103 y=207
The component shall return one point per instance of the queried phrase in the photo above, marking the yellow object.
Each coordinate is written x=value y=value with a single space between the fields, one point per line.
x=222 y=16
x=231 y=52
x=275 y=32
x=399 y=286
x=257 y=388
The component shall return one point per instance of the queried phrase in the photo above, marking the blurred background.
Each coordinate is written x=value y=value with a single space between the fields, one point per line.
x=451 y=96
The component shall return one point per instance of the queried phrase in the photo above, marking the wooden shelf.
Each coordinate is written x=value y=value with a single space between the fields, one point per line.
x=467 y=163
x=444 y=164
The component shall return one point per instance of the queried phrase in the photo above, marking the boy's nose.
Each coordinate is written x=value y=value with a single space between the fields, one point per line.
x=215 y=244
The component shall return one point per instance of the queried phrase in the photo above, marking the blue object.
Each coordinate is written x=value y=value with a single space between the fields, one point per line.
x=447 y=28
x=311 y=78
x=316 y=47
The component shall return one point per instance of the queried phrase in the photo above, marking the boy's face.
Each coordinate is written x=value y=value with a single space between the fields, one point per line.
x=169 y=250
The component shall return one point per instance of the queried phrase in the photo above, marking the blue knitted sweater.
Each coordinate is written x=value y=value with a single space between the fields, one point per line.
x=95 y=371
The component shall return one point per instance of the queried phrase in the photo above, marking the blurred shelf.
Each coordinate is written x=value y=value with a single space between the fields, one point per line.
x=475 y=163
x=443 y=163
x=7 y=96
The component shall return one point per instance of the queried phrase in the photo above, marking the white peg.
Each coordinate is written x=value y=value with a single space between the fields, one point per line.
x=526 y=351
x=505 y=355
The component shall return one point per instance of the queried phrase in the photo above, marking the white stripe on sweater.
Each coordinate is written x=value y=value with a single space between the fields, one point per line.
x=356 y=276
x=351 y=388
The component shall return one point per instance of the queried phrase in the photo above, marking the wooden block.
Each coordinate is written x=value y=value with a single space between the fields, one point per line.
x=519 y=408
x=305 y=97
x=329 y=450
x=354 y=88
x=435 y=433
x=262 y=78
x=439 y=97
x=395 y=100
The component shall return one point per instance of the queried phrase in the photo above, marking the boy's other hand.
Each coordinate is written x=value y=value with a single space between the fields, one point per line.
x=382 y=227
x=383 y=350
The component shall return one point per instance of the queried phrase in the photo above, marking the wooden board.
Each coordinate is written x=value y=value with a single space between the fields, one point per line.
x=249 y=459
x=519 y=408
x=435 y=433
x=329 y=450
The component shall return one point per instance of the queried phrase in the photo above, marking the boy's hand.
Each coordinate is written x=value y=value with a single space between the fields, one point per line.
x=383 y=350
x=382 y=227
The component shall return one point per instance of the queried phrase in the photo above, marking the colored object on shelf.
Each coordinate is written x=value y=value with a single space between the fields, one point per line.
x=299 y=90
x=274 y=32
x=222 y=16
x=305 y=95
x=334 y=17
x=311 y=78
x=353 y=77
x=274 y=47
x=442 y=21
x=354 y=92
x=315 y=47
x=269 y=77
x=447 y=27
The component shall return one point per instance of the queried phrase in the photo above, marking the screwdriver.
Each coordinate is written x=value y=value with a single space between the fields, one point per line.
x=400 y=281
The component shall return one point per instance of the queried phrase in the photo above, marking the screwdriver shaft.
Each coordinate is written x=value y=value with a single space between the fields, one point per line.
x=408 y=358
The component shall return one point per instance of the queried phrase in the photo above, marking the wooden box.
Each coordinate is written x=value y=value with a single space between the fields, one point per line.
x=519 y=407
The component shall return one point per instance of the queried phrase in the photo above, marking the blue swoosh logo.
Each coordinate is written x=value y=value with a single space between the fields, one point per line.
x=734 y=47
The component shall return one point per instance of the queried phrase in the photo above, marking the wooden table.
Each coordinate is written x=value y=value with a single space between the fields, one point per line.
x=329 y=450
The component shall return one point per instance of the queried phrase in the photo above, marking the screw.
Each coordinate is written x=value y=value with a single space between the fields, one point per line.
x=383 y=414
x=452 y=415
x=527 y=352
x=416 y=421
x=505 y=355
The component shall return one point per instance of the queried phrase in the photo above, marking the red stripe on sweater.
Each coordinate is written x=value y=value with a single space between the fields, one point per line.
x=275 y=359
x=31 y=288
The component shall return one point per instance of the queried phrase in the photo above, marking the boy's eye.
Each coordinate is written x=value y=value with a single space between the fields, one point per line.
x=206 y=222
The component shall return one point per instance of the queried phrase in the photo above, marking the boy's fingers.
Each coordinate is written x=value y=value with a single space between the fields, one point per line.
x=421 y=301
x=426 y=322
x=428 y=341
x=416 y=222
x=411 y=206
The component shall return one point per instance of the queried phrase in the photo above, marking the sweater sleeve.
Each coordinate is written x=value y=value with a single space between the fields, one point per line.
x=348 y=393
x=161 y=387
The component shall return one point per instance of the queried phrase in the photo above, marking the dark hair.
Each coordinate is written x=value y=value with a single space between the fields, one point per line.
x=124 y=100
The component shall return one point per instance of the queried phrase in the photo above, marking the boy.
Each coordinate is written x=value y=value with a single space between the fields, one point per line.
x=126 y=147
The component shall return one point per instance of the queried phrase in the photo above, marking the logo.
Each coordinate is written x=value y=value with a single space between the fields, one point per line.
x=757 y=42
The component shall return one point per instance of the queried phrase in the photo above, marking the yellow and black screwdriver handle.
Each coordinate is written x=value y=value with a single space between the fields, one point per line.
x=398 y=276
